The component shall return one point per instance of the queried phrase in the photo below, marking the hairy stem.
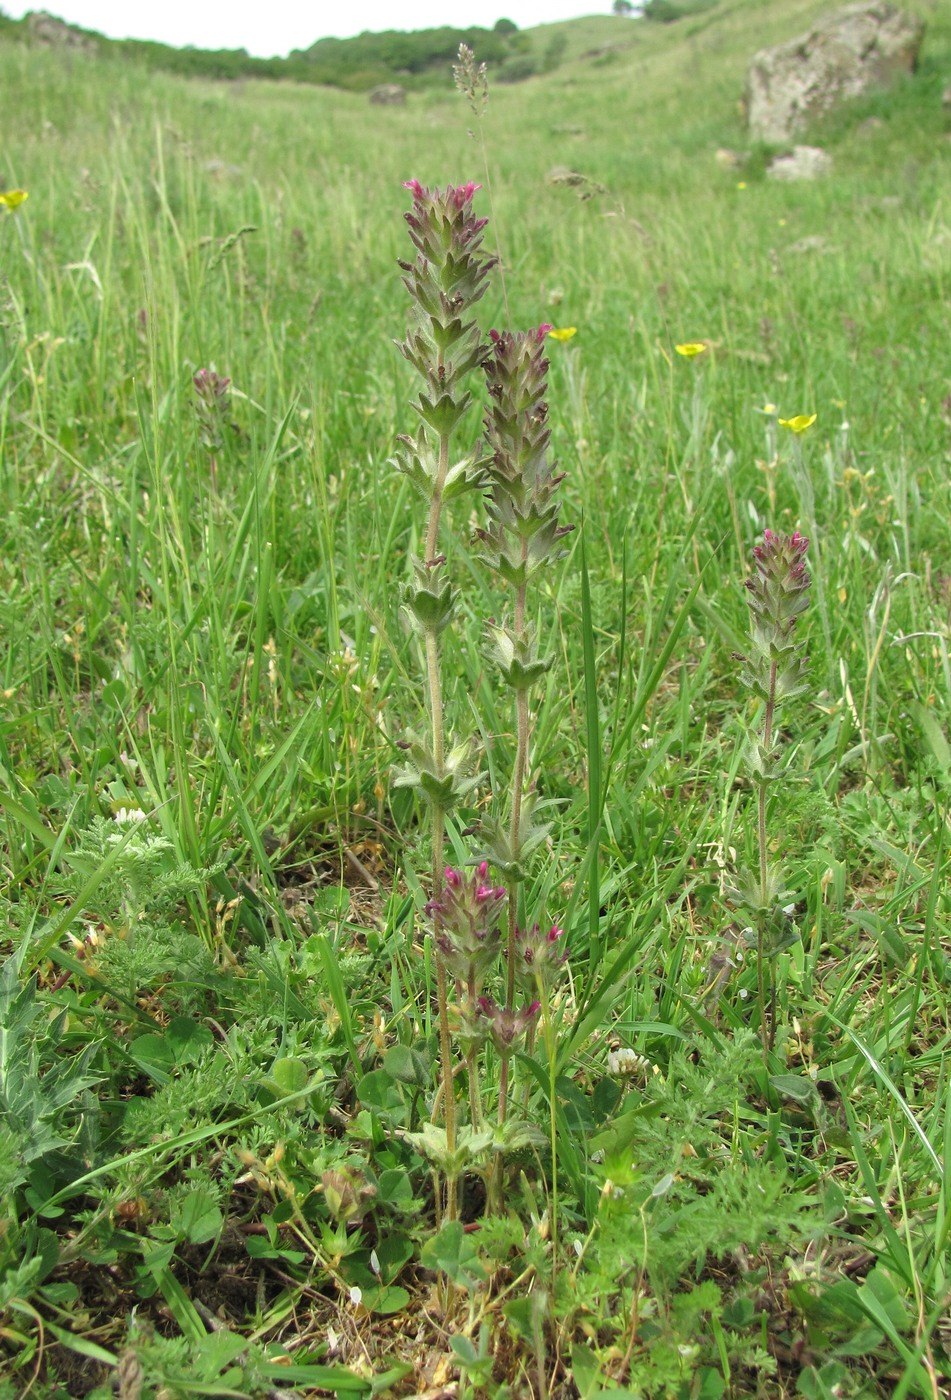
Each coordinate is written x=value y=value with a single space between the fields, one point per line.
x=766 y=1022
x=472 y=1066
x=515 y=830
x=439 y=831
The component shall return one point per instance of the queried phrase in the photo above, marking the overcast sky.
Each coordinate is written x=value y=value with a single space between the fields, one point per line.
x=277 y=26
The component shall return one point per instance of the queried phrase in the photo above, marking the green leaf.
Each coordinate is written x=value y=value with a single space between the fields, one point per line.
x=453 y=1253
x=825 y=1383
x=73 y=1342
x=407 y=1065
x=387 y=1300
x=335 y=1378
x=187 y=1039
x=289 y=1074
x=585 y=1371
x=154 y=1055
x=798 y=1087
x=395 y=1189
x=378 y=1090
x=198 y=1218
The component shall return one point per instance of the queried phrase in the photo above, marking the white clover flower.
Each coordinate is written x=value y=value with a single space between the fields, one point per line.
x=626 y=1063
x=127 y=815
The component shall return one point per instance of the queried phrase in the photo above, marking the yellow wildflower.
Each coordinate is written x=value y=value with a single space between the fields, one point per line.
x=564 y=333
x=800 y=423
x=692 y=347
x=741 y=184
x=12 y=199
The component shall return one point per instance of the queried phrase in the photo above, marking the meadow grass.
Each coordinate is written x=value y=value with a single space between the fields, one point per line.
x=218 y=1020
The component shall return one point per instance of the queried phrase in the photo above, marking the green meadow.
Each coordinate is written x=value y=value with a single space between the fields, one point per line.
x=218 y=1031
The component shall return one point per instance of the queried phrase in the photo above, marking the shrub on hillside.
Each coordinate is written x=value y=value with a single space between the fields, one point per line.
x=666 y=11
x=517 y=68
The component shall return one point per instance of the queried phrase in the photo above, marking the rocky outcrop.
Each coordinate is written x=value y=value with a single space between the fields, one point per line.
x=53 y=33
x=805 y=163
x=843 y=55
x=388 y=95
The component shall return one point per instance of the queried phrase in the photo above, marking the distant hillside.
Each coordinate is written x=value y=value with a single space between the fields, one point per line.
x=414 y=59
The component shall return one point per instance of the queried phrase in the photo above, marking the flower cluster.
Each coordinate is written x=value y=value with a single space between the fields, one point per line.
x=522 y=504
x=539 y=957
x=214 y=407
x=777 y=593
x=446 y=280
x=506 y=1027
x=466 y=917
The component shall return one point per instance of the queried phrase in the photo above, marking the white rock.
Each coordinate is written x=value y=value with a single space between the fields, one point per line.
x=805 y=163
x=843 y=55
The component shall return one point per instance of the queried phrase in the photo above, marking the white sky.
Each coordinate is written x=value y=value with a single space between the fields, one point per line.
x=277 y=26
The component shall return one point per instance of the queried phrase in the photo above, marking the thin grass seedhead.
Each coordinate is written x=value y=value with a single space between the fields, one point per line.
x=472 y=80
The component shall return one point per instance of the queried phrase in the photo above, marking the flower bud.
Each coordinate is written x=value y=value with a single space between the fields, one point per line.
x=522 y=506
x=505 y=1026
x=777 y=593
x=539 y=956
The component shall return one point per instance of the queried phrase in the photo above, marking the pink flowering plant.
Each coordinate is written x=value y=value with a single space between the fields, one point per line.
x=213 y=401
x=476 y=962
x=774 y=670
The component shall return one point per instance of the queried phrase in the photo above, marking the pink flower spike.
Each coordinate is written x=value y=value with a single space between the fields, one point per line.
x=452 y=877
x=482 y=869
x=495 y=337
x=415 y=186
x=542 y=331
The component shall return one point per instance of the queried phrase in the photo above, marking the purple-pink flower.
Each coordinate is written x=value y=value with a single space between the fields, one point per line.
x=539 y=955
x=214 y=402
x=777 y=593
x=458 y=195
x=506 y=1026
x=465 y=919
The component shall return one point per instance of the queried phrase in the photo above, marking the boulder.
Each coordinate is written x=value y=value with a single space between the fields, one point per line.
x=388 y=95
x=805 y=163
x=843 y=55
x=52 y=33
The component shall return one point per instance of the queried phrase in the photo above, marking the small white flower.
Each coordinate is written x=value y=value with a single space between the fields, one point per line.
x=356 y=1296
x=627 y=1062
x=127 y=815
